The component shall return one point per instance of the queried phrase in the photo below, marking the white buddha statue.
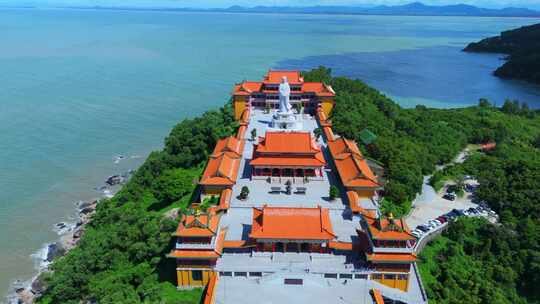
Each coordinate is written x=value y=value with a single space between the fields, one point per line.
x=284 y=94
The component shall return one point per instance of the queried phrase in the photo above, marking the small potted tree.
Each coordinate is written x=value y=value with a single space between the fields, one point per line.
x=288 y=187
x=333 y=193
x=253 y=134
x=244 y=193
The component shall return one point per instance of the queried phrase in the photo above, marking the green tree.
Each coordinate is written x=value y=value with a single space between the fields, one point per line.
x=333 y=192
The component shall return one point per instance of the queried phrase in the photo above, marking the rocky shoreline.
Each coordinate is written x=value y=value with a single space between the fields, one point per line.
x=68 y=240
x=70 y=235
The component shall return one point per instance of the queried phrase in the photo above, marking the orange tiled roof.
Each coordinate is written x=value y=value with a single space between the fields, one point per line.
x=351 y=165
x=316 y=161
x=238 y=244
x=221 y=171
x=341 y=245
x=225 y=199
x=288 y=149
x=202 y=254
x=241 y=132
x=247 y=87
x=231 y=146
x=288 y=142
x=274 y=77
x=391 y=257
x=210 y=292
x=388 y=229
x=353 y=198
x=323 y=120
x=377 y=296
x=291 y=223
x=342 y=147
x=320 y=89
x=205 y=225
x=329 y=134
x=244 y=118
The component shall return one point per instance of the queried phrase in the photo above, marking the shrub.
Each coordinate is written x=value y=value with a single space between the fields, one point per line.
x=244 y=193
x=333 y=193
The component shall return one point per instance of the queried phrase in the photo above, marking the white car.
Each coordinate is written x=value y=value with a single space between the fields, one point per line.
x=431 y=225
x=418 y=231
x=417 y=234
x=436 y=223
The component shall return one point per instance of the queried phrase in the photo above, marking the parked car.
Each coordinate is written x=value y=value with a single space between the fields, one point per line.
x=449 y=196
x=432 y=224
x=452 y=214
x=436 y=222
x=460 y=212
x=422 y=228
x=417 y=234
x=481 y=210
x=442 y=219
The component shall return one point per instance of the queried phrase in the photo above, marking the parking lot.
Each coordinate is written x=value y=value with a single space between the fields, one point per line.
x=431 y=210
x=430 y=205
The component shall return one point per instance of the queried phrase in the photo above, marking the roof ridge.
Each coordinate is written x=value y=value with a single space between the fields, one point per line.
x=222 y=170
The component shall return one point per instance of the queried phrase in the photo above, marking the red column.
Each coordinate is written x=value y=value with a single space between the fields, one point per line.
x=273 y=247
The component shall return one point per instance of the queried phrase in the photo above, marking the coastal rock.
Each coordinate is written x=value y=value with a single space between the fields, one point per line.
x=26 y=296
x=86 y=204
x=78 y=233
x=87 y=210
x=55 y=250
x=114 y=180
x=38 y=286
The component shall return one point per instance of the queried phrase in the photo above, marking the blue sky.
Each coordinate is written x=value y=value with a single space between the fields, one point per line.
x=225 y=3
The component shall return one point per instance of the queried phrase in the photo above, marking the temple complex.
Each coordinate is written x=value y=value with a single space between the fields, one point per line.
x=263 y=224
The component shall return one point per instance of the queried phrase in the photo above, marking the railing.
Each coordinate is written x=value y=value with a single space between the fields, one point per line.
x=420 y=284
x=429 y=236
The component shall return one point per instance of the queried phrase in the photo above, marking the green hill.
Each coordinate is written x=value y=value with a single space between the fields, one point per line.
x=522 y=46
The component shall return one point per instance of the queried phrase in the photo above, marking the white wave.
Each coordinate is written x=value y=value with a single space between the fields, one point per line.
x=119 y=158
x=40 y=258
x=65 y=228
x=108 y=193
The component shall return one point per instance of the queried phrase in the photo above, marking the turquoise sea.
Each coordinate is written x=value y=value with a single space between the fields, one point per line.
x=78 y=87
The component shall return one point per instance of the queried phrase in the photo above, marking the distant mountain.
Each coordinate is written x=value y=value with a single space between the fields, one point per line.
x=523 y=48
x=414 y=9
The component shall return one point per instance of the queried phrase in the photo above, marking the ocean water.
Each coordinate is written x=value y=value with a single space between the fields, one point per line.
x=78 y=87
